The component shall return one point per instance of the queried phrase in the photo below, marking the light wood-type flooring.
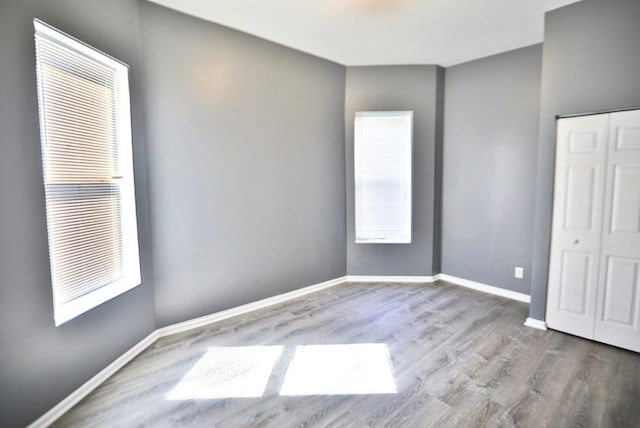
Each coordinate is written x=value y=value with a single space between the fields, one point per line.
x=459 y=358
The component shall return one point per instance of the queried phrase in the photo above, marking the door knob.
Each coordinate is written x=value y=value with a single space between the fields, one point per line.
x=576 y=241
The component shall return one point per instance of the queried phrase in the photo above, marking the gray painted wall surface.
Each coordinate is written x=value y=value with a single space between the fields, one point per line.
x=438 y=171
x=490 y=151
x=246 y=162
x=591 y=62
x=398 y=88
x=41 y=364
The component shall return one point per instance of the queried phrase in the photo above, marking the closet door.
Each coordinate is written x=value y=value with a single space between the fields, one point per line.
x=618 y=309
x=581 y=161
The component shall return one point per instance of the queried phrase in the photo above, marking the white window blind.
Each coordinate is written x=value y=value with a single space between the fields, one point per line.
x=85 y=131
x=382 y=154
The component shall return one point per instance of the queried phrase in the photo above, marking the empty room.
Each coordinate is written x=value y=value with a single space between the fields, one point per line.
x=341 y=213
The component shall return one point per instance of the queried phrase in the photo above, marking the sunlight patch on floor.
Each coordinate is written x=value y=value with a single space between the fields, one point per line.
x=363 y=368
x=228 y=372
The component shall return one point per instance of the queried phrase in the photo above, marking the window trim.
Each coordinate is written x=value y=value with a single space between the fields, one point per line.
x=131 y=276
x=396 y=239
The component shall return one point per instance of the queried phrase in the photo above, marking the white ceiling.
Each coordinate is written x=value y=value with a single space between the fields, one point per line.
x=379 y=32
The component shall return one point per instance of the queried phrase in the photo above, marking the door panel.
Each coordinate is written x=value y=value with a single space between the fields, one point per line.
x=625 y=212
x=583 y=141
x=575 y=281
x=581 y=159
x=579 y=197
x=620 y=290
x=628 y=135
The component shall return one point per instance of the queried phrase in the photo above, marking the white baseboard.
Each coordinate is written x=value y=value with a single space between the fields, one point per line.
x=389 y=278
x=65 y=405
x=249 y=307
x=514 y=295
x=534 y=323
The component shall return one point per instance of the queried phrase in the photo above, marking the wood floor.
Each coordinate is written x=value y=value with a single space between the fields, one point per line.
x=459 y=358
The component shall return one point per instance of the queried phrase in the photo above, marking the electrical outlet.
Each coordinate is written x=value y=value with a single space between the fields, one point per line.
x=518 y=272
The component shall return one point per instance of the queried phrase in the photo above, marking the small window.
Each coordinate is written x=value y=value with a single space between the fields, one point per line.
x=382 y=153
x=85 y=130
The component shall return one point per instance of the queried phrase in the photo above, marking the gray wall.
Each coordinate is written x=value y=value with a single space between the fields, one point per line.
x=438 y=173
x=41 y=364
x=492 y=108
x=246 y=164
x=591 y=62
x=417 y=88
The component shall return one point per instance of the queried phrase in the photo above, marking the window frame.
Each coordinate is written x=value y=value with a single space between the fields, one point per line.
x=399 y=238
x=123 y=180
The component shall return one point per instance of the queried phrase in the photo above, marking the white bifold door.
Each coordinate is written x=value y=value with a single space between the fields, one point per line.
x=594 y=272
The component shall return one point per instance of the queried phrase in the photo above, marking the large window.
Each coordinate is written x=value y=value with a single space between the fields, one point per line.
x=382 y=152
x=85 y=129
